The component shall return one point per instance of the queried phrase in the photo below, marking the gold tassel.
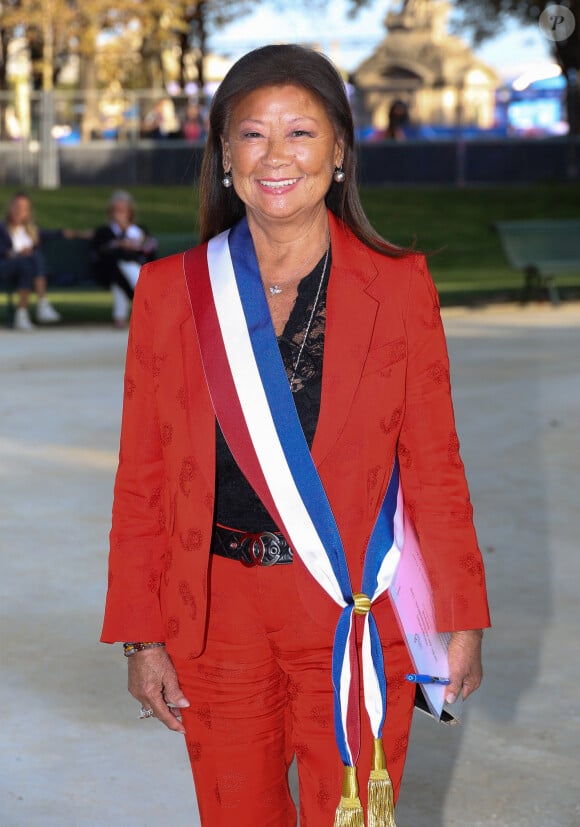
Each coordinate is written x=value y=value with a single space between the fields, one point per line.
x=349 y=812
x=381 y=799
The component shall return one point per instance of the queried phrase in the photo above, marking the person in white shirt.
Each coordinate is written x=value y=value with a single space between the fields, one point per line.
x=21 y=261
x=119 y=249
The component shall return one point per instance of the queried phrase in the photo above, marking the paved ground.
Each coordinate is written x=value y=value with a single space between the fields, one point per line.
x=73 y=752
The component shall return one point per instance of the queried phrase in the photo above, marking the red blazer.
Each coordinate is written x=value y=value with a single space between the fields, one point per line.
x=385 y=389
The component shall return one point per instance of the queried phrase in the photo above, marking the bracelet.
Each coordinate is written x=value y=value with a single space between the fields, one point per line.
x=130 y=649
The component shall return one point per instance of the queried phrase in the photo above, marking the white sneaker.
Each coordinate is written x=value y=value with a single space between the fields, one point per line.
x=22 y=320
x=45 y=312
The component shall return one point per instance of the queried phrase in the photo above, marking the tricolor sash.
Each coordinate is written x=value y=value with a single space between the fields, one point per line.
x=254 y=406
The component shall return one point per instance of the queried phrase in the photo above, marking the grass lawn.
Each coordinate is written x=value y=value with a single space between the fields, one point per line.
x=453 y=225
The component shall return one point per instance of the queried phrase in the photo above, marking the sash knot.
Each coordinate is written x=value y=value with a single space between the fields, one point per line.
x=362 y=604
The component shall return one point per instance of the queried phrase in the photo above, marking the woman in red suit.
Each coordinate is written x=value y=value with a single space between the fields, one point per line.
x=229 y=638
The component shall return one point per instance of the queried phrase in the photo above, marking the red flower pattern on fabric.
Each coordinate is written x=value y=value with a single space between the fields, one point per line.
x=472 y=565
x=438 y=373
x=153 y=581
x=453 y=450
x=172 y=627
x=188 y=599
x=193 y=750
x=389 y=425
x=130 y=386
x=397 y=351
x=166 y=434
x=203 y=714
x=181 y=397
x=405 y=456
x=187 y=472
x=192 y=540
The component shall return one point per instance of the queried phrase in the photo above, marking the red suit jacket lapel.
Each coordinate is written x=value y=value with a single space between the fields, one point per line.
x=351 y=314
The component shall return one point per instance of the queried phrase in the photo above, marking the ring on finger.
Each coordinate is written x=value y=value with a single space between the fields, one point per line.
x=145 y=713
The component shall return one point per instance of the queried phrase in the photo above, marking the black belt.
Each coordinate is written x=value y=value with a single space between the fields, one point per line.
x=266 y=548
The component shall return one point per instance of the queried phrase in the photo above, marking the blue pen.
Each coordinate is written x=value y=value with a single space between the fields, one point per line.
x=427 y=679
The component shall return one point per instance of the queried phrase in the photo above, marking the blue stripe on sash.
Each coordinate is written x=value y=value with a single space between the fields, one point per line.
x=339 y=652
x=379 y=664
x=382 y=536
x=281 y=402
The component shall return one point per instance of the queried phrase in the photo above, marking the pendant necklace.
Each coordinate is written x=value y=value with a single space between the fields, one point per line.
x=293 y=386
x=275 y=289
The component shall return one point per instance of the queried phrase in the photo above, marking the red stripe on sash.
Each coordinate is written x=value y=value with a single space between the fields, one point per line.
x=224 y=392
x=353 y=717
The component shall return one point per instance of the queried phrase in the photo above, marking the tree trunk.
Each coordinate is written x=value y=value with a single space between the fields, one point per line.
x=199 y=34
x=4 y=41
x=183 y=44
x=151 y=65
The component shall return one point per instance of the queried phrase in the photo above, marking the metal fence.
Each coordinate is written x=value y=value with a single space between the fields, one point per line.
x=80 y=117
x=43 y=134
x=139 y=138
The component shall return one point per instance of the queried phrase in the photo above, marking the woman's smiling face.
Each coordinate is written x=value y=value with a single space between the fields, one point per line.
x=282 y=149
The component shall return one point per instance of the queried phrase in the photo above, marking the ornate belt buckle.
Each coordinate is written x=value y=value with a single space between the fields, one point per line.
x=260 y=549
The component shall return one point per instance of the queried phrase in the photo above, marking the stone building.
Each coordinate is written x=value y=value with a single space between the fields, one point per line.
x=432 y=73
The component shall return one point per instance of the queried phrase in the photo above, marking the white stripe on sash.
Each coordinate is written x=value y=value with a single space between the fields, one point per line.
x=258 y=418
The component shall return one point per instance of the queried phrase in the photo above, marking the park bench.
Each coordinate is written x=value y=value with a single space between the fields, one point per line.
x=68 y=262
x=541 y=250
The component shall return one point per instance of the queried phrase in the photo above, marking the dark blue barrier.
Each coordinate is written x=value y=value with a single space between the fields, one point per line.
x=407 y=163
x=445 y=162
x=147 y=163
x=519 y=162
x=469 y=162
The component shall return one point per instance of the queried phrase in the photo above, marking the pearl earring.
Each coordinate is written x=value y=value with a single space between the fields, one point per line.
x=227 y=180
x=339 y=175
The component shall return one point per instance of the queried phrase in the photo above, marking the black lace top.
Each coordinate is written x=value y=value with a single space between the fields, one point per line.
x=236 y=504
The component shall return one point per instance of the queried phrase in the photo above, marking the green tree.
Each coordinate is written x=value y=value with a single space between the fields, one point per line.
x=7 y=8
x=126 y=41
x=46 y=25
x=192 y=23
x=196 y=21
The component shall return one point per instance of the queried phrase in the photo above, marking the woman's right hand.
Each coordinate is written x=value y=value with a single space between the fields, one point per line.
x=153 y=682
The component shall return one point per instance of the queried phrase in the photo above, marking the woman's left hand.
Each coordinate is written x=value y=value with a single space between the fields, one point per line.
x=465 y=670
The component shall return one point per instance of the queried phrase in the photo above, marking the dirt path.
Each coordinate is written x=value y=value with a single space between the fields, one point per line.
x=73 y=752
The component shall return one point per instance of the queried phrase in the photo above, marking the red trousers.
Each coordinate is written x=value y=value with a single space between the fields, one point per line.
x=261 y=692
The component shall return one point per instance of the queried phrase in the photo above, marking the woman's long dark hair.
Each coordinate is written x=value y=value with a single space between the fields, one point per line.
x=286 y=65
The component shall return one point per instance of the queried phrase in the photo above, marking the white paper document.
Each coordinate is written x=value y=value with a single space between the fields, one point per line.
x=412 y=598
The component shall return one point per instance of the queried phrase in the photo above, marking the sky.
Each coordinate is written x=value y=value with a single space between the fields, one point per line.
x=349 y=41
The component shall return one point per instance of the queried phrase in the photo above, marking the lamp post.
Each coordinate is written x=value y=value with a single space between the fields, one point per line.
x=49 y=171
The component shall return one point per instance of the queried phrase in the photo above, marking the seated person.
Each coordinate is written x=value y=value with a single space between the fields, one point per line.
x=21 y=261
x=119 y=248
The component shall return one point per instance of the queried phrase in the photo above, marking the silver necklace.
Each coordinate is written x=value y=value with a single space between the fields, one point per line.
x=275 y=289
x=293 y=388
